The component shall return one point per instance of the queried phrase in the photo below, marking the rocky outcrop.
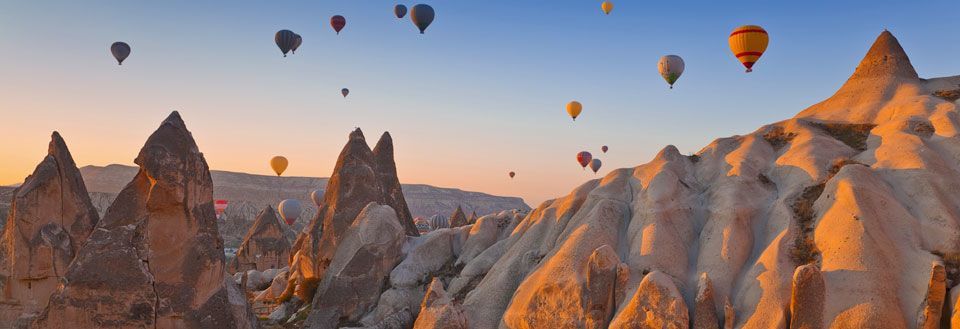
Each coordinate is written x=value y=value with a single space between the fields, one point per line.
x=264 y=247
x=355 y=278
x=705 y=306
x=438 y=310
x=806 y=303
x=932 y=307
x=656 y=304
x=357 y=180
x=458 y=218
x=51 y=217
x=155 y=259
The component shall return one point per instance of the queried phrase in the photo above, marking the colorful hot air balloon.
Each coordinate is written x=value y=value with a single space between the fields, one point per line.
x=595 y=165
x=573 y=109
x=422 y=15
x=297 y=41
x=604 y=148
x=317 y=197
x=607 y=7
x=671 y=67
x=220 y=206
x=748 y=43
x=120 y=51
x=338 y=22
x=400 y=11
x=345 y=91
x=512 y=174
x=583 y=158
x=285 y=39
x=279 y=164
x=289 y=210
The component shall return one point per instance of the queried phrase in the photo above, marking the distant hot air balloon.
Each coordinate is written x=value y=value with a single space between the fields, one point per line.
x=512 y=174
x=400 y=11
x=317 y=197
x=286 y=40
x=338 y=22
x=584 y=158
x=120 y=51
x=607 y=7
x=345 y=91
x=671 y=67
x=220 y=206
x=604 y=148
x=422 y=15
x=748 y=43
x=573 y=109
x=297 y=41
x=595 y=165
x=279 y=164
x=290 y=210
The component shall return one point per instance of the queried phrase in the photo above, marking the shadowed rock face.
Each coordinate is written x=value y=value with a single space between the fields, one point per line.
x=458 y=218
x=155 y=260
x=360 y=177
x=264 y=247
x=50 y=218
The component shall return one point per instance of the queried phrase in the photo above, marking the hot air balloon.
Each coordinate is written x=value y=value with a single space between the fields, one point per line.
x=422 y=15
x=338 y=22
x=400 y=11
x=512 y=174
x=120 y=51
x=607 y=7
x=584 y=158
x=344 y=91
x=220 y=206
x=573 y=109
x=297 y=41
x=595 y=165
x=290 y=210
x=671 y=67
x=439 y=221
x=604 y=148
x=317 y=197
x=748 y=43
x=285 y=39
x=279 y=164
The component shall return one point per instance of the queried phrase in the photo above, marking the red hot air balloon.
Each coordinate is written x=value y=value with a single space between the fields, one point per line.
x=338 y=22
x=604 y=148
x=220 y=206
x=584 y=158
x=512 y=174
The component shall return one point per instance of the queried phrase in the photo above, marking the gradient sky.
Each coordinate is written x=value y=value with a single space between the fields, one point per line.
x=481 y=94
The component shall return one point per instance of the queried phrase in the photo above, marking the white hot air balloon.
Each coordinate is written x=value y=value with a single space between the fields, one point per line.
x=317 y=197
x=290 y=210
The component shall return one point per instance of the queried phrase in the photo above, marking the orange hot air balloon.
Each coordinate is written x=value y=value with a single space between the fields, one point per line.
x=748 y=43
x=574 y=108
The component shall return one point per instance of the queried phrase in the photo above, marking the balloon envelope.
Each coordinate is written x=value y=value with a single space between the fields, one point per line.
x=317 y=197
x=220 y=206
x=120 y=51
x=297 y=41
x=604 y=148
x=607 y=7
x=583 y=158
x=573 y=109
x=595 y=165
x=290 y=210
x=285 y=40
x=279 y=164
x=422 y=15
x=400 y=11
x=344 y=91
x=338 y=22
x=671 y=67
x=748 y=43
x=512 y=174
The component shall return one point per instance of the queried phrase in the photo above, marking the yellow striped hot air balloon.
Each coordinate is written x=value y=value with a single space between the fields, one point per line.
x=748 y=43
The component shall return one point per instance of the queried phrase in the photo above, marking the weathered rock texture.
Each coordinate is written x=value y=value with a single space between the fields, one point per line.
x=264 y=247
x=458 y=218
x=705 y=306
x=806 y=303
x=155 y=260
x=51 y=216
x=439 y=311
x=656 y=304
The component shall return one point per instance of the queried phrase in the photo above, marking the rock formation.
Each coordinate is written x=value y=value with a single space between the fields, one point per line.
x=458 y=218
x=705 y=306
x=438 y=310
x=806 y=303
x=932 y=307
x=264 y=247
x=656 y=304
x=155 y=259
x=51 y=216
x=357 y=180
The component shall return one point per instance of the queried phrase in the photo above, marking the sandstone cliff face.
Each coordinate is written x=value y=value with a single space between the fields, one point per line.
x=265 y=245
x=155 y=260
x=50 y=218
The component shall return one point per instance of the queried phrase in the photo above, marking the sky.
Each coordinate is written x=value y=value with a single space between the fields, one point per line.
x=480 y=94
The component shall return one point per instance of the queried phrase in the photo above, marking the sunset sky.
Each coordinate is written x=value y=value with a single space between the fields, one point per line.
x=480 y=94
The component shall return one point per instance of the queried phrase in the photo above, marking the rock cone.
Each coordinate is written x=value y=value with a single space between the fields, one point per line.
x=264 y=247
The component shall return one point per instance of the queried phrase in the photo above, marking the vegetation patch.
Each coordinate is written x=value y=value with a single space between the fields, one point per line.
x=778 y=137
x=694 y=158
x=839 y=163
x=948 y=95
x=804 y=249
x=766 y=180
x=853 y=134
x=922 y=128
